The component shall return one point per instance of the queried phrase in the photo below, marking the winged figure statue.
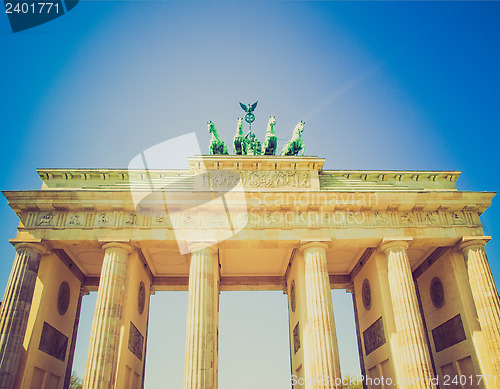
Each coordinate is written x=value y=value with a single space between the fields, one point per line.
x=249 y=108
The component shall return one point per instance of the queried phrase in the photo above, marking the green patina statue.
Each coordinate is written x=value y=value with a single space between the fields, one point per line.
x=271 y=140
x=254 y=145
x=249 y=144
x=249 y=117
x=295 y=145
x=217 y=146
x=240 y=144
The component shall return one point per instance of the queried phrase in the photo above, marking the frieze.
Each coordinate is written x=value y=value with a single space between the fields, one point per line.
x=260 y=217
x=272 y=179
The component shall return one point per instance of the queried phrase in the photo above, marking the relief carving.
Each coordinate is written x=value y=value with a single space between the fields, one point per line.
x=430 y=218
x=257 y=179
x=131 y=219
x=63 y=298
x=324 y=216
x=366 y=294
x=161 y=221
x=380 y=219
x=45 y=220
x=457 y=219
x=273 y=218
x=374 y=336
x=75 y=220
x=449 y=333
x=296 y=339
x=437 y=292
x=406 y=218
x=53 y=342
x=102 y=218
x=141 y=298
x=217 y=220
x=221 y=179
x=292 y=296
x=135 y=341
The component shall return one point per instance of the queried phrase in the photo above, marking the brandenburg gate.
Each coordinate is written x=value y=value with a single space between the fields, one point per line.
x=407 y=245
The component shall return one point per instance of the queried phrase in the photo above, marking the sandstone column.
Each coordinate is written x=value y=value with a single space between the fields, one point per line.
x=100 y=372
x=321 y=350
x=484 y=293
x=200 y=371
x=413 y=359
x=15 y=309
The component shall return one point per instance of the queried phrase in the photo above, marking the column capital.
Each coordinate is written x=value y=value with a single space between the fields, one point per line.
x=313 y=243
x=395 y=242
x=202 y=245
x=468 y=241
x=118 y=245
x=36 y=246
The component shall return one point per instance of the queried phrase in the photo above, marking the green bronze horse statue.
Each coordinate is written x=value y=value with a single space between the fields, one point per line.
x=271 y=140
x=217 y=146
x=240 y=144
x=295 y=145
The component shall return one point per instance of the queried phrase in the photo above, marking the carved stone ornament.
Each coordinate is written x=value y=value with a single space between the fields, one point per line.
x=449 y=333
x=141 y=297
x=102 y=218
x=135 y=341
x=63 y=297
x=374 y=336
x=366 y=294
x=292 y=296
x=261 y=180
x=53 y=342
x=45 y=220
x=131 y=219
x=75 y=220
x=296 y=338
x=257 y=179
x=437 y=292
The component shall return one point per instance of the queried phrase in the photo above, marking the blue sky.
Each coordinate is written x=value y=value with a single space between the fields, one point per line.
x=381 y=85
